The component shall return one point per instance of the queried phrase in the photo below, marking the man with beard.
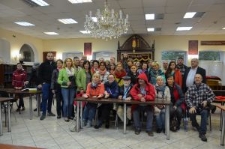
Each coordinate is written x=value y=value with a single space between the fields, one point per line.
x=45 y=74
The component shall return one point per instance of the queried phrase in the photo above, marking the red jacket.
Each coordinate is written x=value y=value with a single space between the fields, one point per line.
x=150 y=90
x=178 y=77
x=18 y=78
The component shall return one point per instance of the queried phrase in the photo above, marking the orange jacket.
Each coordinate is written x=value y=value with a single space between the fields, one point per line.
x=95 y=91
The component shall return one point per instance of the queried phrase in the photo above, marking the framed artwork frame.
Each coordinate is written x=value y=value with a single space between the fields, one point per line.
x=71 y=55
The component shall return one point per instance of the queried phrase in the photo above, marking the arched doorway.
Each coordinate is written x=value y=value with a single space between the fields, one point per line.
x=27 y=53
x=4 y=51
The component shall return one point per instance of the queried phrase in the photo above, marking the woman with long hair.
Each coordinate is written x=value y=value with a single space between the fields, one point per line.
x=103 y=72
x=68 y=86
x=172 y=70
x=112 y=68
x=84 y=77
x=133 y=74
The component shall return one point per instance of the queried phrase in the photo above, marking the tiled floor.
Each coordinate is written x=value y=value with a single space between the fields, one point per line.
x=55 y=134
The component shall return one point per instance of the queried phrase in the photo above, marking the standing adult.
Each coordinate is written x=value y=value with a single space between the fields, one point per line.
x=77 y=66
x=112 y=60
x=189 y=74
x=45 y=74
x=181 y=66
x=165 y=66
x=84 y=77
x=67 y=80
x=56 y=88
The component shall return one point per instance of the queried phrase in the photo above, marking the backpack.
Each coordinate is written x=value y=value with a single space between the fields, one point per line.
x=174 y=123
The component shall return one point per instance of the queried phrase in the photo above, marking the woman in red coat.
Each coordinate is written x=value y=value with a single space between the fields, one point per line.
x=18 y=81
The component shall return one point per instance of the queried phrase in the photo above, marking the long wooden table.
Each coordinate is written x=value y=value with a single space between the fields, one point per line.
x=124 y=102
x=5 y=99
x=27 y=93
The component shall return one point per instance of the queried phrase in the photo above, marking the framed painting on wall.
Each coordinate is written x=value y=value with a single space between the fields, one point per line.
x=71 y=55
x=193 y=47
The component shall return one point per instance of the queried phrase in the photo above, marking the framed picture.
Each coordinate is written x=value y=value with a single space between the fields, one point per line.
x=141 y=57
x=71 y=55
x=87 y=48
x=193 y=47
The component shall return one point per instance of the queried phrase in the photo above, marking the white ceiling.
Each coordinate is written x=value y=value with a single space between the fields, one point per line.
x=45 y=18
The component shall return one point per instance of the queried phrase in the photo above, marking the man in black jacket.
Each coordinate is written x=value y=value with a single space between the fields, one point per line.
x=189 y=74
x=45 y=73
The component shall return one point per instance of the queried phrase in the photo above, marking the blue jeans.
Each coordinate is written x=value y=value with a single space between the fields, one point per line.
x=160 y=119
x=89 y=112
x=46 y=97
x=68 y=98
x=204 y=116
x=136 y=117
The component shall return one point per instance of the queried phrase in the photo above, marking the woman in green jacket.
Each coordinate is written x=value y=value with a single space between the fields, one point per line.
x=84 y=77
x=67 y=81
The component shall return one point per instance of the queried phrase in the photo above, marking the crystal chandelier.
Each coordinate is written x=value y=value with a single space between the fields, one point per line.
x=109 y=24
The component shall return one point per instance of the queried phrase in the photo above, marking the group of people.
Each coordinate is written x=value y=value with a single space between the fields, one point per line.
x=183 y=86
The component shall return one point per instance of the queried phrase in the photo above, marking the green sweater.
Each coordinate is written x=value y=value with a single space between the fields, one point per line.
x=81 y=80
x=63 y=78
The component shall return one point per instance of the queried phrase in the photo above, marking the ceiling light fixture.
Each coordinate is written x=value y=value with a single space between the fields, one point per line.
x=150 y=29
x=109 y=24
x=85 y=32
x=184 y=28
x=24 y=23
x=189 y=15
x=51 y=33
x=40 y=2
x=67 y=21
x=80 y=1
x=224 y=28
x=149 y=16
